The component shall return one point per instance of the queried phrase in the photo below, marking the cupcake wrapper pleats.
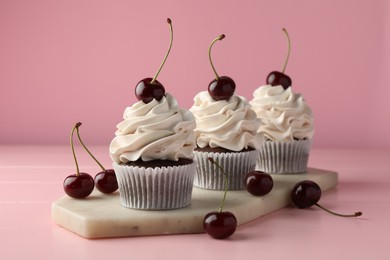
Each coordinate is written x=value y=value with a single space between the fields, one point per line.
x=284 y=157
x=155 y=188
x=236 y=166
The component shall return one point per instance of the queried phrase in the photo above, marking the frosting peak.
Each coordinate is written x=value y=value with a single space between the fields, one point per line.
x=284 y=114
x=158 y=130
x=230 y=124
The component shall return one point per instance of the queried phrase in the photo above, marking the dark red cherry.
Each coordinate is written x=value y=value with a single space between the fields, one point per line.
x=147 y=91
x=220 y=225
x=276 y=78
x=305 y=194
x=258 y=183
x=149 y=88
x=222 y=88
x=79 y=186
x=105 y=181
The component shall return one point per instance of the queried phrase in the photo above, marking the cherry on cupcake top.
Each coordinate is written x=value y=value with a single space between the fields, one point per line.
x=277 y=78
x=222 y=87
x=150 y=88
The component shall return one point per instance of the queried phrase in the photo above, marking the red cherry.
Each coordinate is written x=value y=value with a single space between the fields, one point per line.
x=222 y=88
x=307 y=193
x=147 y=91
x=258 y=183
x=220 y=225
x=149 y=88
x=105 y=181
x=79 y=186
x=276 y=78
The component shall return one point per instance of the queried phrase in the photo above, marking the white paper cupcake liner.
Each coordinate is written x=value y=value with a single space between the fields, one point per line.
x=158 y=188
x=236 y=166
x=284 y=157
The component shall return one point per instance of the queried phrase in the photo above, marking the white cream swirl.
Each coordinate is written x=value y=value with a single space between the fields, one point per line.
x=159 y=130
x=285 y=116
x=230 y=124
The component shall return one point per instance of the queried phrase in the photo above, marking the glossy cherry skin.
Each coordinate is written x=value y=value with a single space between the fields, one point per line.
x=79 y=186
x=222 y=88
x=146 y=91
x=276 y=78
x=305 y=194
x=258 y=183
x=220 y=225
x=105 y=181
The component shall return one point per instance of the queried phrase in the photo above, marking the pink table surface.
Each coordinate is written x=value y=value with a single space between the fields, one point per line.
x=31 y=179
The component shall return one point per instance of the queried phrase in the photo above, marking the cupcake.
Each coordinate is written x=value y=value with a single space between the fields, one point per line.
x=226 y=130
x=287 y=126
x=153 y=155
x=153 y=149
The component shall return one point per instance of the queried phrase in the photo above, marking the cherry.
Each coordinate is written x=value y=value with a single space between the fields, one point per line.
x=79 y=185
x=105 y=180
x=220 y=224
x=307 y=193
x=147 y=91
x=149 y=88
x=221 y=88
x=276 y=78
x=258 y=183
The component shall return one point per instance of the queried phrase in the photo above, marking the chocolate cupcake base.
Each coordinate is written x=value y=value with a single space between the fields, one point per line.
x=155 y=188
x=235 y=164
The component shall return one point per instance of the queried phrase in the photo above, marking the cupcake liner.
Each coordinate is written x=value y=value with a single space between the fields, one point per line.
x=155 y=188
x=284 y=157
x=236 y=166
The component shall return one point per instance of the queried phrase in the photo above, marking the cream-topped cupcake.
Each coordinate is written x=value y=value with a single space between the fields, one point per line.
x=153 y=155
x=287 y=126
x=226 y=130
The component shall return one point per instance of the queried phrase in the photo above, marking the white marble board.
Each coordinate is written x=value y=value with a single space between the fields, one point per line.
x=102 y=216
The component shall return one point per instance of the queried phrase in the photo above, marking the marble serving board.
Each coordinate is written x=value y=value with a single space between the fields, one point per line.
x=102 y=216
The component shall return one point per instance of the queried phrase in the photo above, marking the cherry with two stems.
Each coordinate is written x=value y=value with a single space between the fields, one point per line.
x=307 y=193
x=221 y=88
x=220 y=224
x=277 y=78
x=258 y=183
x=105 y=181
x=150 y=88
x=79 y=185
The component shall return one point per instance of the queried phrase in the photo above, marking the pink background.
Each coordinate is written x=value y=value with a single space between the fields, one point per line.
x=68 y=61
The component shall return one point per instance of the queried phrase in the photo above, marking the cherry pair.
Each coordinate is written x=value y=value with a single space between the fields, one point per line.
x=304 y=194
x=81 y=185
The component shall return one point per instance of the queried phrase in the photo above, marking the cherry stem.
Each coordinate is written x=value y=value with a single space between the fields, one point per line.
x=72 y=146
x=219 y=38
x=225 y=183
x=357 y=214
x=289 y=48
x=86 y=149
x=169 y=21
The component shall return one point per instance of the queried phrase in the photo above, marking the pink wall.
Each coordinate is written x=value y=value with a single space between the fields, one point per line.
x=68 y=61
